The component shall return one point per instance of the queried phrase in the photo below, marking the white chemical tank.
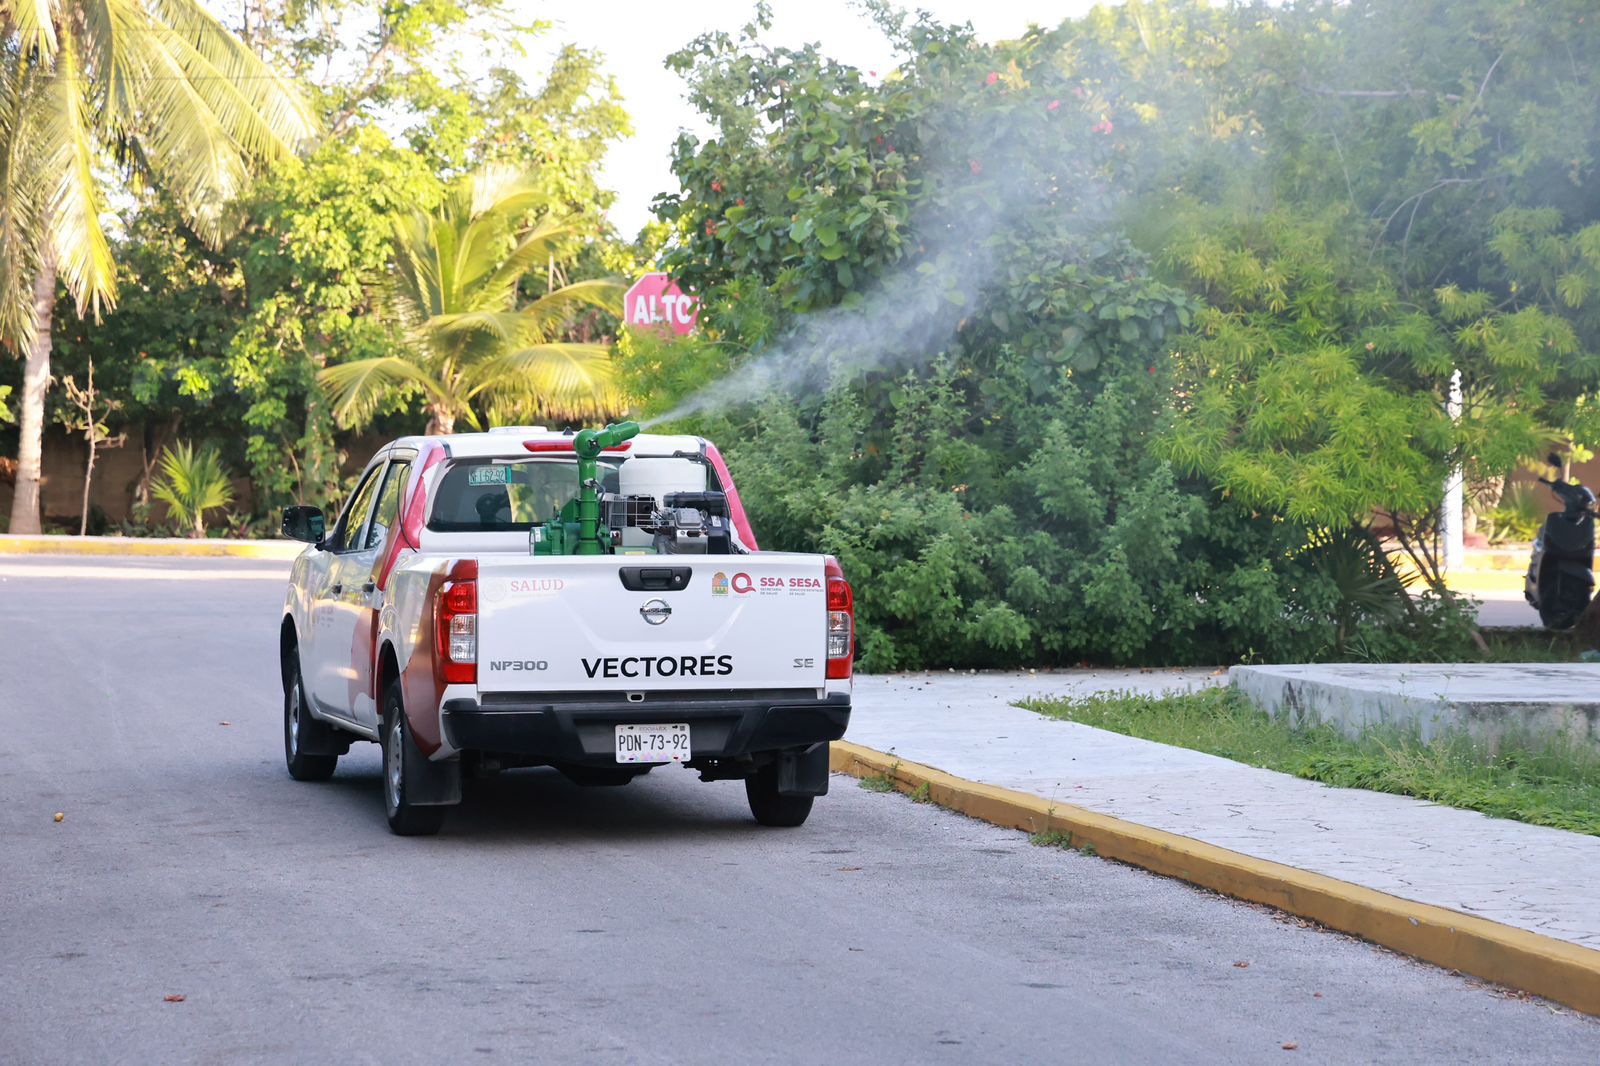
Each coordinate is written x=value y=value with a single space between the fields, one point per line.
x=656 y=476
x=659 y=476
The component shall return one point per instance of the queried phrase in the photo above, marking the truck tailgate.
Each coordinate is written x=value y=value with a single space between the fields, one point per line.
x=701 y=622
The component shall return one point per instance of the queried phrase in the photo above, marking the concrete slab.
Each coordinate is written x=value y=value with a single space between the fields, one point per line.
x=1525 y=876
x=1488 y=701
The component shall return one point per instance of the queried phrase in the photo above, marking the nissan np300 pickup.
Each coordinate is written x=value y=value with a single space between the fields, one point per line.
x=593 y=602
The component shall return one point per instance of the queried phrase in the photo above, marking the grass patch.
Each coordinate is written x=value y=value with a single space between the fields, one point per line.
x=1541 y=783
x=1050 y=838
x=1531 y=646
x=883 y=782
x=1055 y=838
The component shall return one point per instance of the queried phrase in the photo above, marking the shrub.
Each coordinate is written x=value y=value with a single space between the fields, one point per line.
x=192 y=483
x=1518 y=516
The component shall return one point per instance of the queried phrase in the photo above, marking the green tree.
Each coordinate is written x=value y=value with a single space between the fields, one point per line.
x=226 y=342
x=316 y=236
x=165 y=93
x=164 y=353
x=979 y=358
x=472 y=344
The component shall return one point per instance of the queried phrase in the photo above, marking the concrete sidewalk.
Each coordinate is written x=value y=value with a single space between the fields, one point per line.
x=1527 y=877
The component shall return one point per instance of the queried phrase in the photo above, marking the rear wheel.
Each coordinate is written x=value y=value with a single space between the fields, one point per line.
x=406 y=818
x=770 y=808
x=301 y=730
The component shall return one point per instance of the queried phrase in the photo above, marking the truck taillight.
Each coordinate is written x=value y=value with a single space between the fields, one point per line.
x=841 y=621
x=456 y=616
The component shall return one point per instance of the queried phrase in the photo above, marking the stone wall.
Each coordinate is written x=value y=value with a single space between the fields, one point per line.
x=116 y=473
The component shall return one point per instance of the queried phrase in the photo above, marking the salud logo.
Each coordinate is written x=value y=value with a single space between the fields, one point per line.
x=719 y=584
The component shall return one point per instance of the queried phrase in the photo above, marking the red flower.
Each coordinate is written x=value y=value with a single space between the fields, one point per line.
x=716 y=186
x=711 y=228
x=740 y=201
x=977 y=167
x=992 y=78
x=1052 y=105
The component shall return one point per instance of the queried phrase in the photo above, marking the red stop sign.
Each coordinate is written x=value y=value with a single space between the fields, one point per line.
x=656 y=301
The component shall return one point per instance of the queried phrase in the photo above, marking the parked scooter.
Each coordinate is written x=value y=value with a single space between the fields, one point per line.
x=1561 y=572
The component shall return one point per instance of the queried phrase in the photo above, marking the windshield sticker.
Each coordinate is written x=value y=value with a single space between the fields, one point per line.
x=489 y=475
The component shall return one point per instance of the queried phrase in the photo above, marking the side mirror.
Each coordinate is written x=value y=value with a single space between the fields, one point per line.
x=304 y=523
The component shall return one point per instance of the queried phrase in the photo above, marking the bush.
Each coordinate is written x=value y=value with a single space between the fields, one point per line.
x=191 y=484
x=1518 y=516
x=1048 y=534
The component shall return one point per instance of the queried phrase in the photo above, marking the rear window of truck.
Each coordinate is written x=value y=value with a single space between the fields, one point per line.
x=507 y=496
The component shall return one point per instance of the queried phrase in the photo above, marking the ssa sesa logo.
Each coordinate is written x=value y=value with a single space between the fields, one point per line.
x=719 y=584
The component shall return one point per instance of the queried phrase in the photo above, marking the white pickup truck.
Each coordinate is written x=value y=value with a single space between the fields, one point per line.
x=593 y=602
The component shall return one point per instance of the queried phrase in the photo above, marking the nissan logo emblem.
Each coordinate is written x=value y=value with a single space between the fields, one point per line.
x=655 y=612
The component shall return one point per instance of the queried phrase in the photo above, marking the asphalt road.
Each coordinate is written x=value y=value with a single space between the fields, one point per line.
x=1504 y=609
x=651 y=923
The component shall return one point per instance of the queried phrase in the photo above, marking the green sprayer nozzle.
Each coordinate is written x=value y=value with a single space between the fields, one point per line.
x=589 y=443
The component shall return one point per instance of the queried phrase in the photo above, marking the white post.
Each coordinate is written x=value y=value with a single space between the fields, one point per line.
x=1450 y=519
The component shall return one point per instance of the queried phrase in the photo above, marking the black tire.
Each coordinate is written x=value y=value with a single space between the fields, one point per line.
x=406 y=819
x=301 y=730
x=769 y=808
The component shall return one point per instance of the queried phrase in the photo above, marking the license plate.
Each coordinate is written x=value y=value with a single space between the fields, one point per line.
x=652 y=743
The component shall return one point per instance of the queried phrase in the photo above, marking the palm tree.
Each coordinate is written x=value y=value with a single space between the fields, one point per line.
x=469 y=346
x=142 y=89
x=192 y=482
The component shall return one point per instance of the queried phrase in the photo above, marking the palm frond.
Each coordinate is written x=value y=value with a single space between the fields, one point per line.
x=261 y=108
x=21 y=210
x=413 y=290
x=111 y=30
x=33 y=21
x=533 y=250
x=501 y=189
x=510 y=327
x=83 y=255
x=357 y=389
x=555 y=307
x=199 y=162
x=501 y=198
x=569 y=377
x=206 y=107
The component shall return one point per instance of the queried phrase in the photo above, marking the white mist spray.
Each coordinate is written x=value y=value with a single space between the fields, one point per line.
x=908 y=315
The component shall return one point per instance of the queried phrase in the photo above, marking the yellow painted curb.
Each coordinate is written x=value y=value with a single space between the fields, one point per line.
x=1544 y=966
x=149 y=546
x=1476 y=581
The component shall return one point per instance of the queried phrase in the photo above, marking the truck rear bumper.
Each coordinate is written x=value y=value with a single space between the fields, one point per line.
x=583 y=731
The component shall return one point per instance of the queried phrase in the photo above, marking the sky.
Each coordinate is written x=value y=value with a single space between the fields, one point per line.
x=637 y=36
